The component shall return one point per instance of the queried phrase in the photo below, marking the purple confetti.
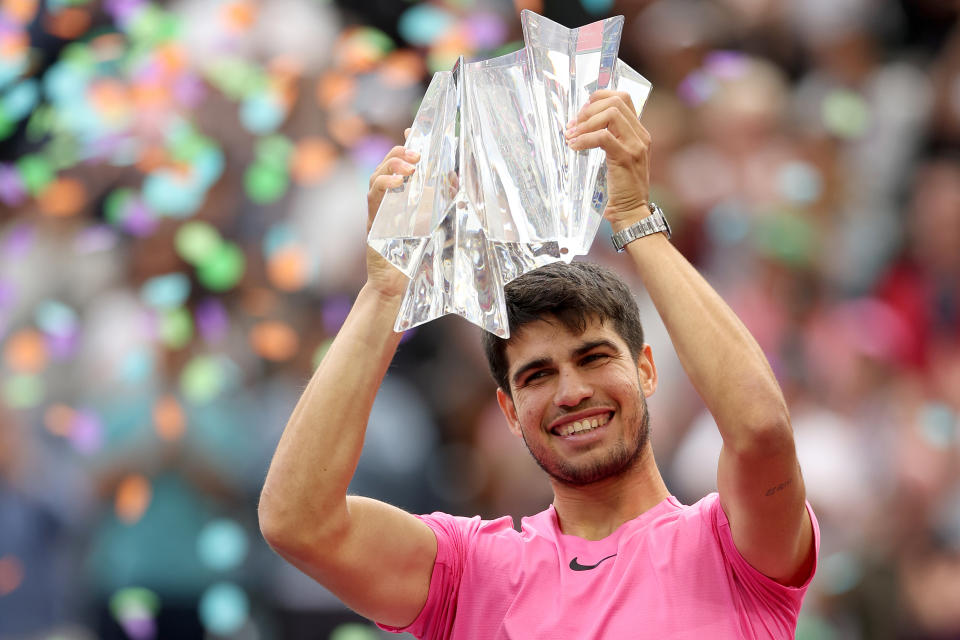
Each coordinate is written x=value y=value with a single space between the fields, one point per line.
x=63 y=346
x=139 y=220
x=123 y=11
x=189 y=90
x=486 y=30
x=726 y=64
x=12 y=190
x=8 y=294
x=334 y=313
x=18 y=241
x=87 y=432
x=94 y=240
x=212 y=320
x=370 y=150
x=140 y=628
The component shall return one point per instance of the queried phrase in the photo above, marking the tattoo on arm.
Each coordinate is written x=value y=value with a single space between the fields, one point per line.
x=778 y=488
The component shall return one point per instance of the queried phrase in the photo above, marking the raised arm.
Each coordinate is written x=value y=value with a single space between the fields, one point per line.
x=761 y=488
x=376 y=558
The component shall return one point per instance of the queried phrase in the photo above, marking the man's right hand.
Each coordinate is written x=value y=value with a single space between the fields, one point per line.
x=382 y=276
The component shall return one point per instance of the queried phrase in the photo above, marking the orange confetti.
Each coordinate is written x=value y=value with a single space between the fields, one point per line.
x=335 y=90
x=355 y=53
x=59 y=419
x=13 y=45
x=153 y=158
x=347 y=128
x=20 y=11
x=133 y=497
x=150 y=96
x=68 y=23
x=402 y=68
x=108 y=46
x=11 y=574
x=274 y=341
x=26 y=352
x=312 y=160
x=239 y=16
x=287 y=269
x=168 y=418
x=111 y=98
x=63 y=197
x=172 y=58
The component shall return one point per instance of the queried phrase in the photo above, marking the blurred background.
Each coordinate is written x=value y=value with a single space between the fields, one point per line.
x=182 y=188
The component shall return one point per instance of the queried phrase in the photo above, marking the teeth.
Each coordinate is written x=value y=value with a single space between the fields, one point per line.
x=584 y=425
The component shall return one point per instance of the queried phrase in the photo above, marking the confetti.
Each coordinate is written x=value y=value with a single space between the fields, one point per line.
x=26 y=352
x=222 y=545
x=168 y=418
x=224 y=608
x=132 y=498
x=274 y=341
x=222 y=269
x=166 y=291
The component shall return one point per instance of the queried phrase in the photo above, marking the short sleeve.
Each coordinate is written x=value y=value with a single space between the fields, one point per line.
x=769 y=607
x=454 y=536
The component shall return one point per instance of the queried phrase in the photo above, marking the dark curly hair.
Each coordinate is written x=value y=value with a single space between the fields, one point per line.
x=573 y=294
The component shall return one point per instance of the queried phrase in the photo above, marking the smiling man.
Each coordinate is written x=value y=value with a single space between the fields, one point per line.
x=615 y=555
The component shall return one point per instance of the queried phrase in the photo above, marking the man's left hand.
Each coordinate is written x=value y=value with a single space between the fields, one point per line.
x=609 y=121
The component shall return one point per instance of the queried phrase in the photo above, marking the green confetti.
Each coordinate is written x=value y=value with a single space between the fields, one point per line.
x=23 y=391
x=265 y=184
x=845 y=114
x=196 y=241
x=222 y=269
x=40 y=123
x=7 y=125
x=176 y=328
x=35 y=172
x=274 y=151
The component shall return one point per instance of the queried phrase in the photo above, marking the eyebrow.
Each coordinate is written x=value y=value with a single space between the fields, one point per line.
x=576 y=353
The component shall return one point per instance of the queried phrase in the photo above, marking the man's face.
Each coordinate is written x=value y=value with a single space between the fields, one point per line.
x=578 y=401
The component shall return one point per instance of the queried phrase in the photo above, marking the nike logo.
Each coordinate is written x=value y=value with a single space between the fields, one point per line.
x=576 y=566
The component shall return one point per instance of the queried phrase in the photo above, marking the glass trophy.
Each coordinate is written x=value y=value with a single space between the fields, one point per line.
x=497 y=191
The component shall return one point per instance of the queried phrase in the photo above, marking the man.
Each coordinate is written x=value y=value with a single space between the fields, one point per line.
x=615 y=556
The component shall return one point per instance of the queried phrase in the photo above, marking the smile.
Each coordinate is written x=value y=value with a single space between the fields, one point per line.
x=582 y=426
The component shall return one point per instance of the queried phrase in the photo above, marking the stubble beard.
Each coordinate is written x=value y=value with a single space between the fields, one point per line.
x=618 y=460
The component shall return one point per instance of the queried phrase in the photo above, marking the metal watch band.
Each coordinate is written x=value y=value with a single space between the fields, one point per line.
x=656 y=222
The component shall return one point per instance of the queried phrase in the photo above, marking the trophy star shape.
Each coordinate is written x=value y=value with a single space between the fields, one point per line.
x=497 y=191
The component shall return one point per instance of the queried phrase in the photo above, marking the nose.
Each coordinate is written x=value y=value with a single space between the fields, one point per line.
x=572 y=388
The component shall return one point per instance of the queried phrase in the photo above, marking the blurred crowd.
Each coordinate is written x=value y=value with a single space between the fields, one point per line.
x=182 y=220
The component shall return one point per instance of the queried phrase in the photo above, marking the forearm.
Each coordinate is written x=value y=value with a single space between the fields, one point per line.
x=723 y=361
x=307 y=482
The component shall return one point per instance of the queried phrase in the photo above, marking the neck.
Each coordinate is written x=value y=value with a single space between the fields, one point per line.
x=594 y=511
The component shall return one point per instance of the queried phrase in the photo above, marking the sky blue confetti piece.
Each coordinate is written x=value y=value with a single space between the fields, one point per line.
x=170 y=195
x=276 y=238
x=167 y=291
x=209 y=165
x=222 y=545
x=422 y=24
x=20 y=99
x=64 y=83
x=261 y=113
x=136 y=366
x=224 y=608
x=55 y=318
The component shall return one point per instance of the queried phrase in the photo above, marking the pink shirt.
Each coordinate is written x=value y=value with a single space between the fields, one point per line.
x=673 y=572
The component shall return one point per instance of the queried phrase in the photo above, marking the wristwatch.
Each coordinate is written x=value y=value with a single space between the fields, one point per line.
x=656 y=222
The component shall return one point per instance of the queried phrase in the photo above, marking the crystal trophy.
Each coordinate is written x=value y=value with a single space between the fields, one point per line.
x=497 y=191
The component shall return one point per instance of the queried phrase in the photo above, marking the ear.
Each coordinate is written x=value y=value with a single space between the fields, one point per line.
x=509 y=412
x=647 y=371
